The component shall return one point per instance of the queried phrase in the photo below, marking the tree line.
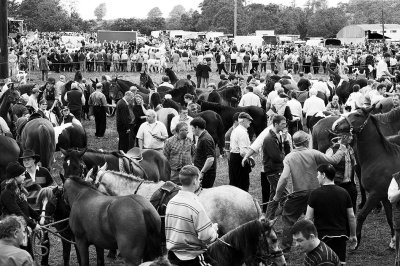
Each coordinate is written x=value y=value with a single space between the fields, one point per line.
x=313 y=19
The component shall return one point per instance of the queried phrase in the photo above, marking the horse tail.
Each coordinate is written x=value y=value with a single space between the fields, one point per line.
x=153 y=239
x=220 y=132
x=44 y=137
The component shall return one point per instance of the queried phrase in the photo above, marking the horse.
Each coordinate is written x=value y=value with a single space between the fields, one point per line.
x=154 y=64
x=146 y=81
x=70 y=135
x=38 y=135
x=154 y=165
x=226 y=112
x=52 y=204
x=345 y=88
x=255 y=240
x=118 y=88
x=229 y=95
x=376 y=171
x=226 y=205
x=9 y=97
x=127 y=223
x=181 y=87
x=10 y=152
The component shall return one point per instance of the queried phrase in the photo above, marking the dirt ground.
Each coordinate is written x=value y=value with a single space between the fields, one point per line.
x=373 y=250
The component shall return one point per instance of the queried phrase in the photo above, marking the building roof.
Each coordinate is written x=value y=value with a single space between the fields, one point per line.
x=371 y=27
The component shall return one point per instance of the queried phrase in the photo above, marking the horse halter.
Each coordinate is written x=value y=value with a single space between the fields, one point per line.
x=360 y=128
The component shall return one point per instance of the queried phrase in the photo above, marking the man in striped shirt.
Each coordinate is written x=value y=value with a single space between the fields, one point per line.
x=317 y=252
x=188 y=228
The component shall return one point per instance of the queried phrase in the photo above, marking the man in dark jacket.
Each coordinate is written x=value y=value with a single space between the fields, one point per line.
x=76 y=100
x=123 y=121
x=275 y=147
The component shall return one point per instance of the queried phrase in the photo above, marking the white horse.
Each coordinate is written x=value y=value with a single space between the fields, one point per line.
x=226 y=205
x=154 y=65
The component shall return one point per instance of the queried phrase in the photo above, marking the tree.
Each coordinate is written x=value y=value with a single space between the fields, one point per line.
x=13 y=7
x=155 y=12
x=174 y=18
x=100 y=11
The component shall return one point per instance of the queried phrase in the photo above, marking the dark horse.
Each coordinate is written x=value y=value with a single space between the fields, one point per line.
x=38 y=135
x=146 y=82
x=9 y=98
x=118 y=88
x=228 y=95
x=70 y=136
x=378 y=157
x=154 y=166
x=10 y=152
x=344 y=90
x=226 y=112
x=53 y=206
x=127 y=223
x=181 y=87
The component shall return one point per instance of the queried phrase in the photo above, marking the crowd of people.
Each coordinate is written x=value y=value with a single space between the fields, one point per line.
x=299 y=179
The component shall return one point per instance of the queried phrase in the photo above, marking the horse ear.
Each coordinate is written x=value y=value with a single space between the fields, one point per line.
x=104 y=167
x=89 y=175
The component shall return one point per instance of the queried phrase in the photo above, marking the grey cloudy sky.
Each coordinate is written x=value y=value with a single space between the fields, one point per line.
x=140 y=8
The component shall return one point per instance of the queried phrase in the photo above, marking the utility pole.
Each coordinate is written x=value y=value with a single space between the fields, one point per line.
x=235 y=19
x=383 y=26
x=3 y=39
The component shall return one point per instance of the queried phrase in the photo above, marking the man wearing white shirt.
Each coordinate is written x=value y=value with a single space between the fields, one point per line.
x=377 y=95
x=153 y=133
x=322 y=87
x=312 y=106
x=273 y=94
x=249 y=98
x=382 y=68
x=182 y=117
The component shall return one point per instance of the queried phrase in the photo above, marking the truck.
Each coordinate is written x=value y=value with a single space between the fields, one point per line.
x=109 y=35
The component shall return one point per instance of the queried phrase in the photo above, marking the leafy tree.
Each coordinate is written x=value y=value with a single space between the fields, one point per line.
x=13 y=6
x=174 y=18
x=100 y=11
x=155 y=12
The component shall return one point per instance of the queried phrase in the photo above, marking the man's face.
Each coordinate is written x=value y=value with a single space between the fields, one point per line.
x=184 y=114
x=49 y=85
x=246 y=123
x=150 y=118
x=320 y=178
x=183 y=131
x=335 y=99
x=396 y=100
x=66 y=112
x=305 y=245
x=21 y=236
x=28 y=162
x=281 y=126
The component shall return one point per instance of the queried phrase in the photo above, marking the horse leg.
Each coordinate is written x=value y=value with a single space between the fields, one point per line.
x=362 y=190
x=83 y=251
x=133 y=253
x=100 y=256
x=389 y=217
x=66 y=252
x=362 y=215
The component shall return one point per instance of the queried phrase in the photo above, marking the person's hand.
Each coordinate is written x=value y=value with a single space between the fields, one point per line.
x=244 y=161
x=275 y=198
x=201 y=175
x=215 y=226
x=353 y=242
x=37 y=227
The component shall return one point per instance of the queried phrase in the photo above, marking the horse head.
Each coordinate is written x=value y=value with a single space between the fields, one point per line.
x=268 y=251
x=73 y=164
x=52 y=205
x=353 y=122
x=114 y=89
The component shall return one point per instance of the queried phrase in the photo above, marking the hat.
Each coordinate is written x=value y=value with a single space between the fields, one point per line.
x=300 y=137
x=232 y=77
x=30 y=154
x=14 y=169
x=35 y=90
x=51 y=80
x=222 y=76
x=243 y=115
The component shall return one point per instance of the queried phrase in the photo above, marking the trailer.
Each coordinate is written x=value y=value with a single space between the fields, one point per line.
x=109 y=35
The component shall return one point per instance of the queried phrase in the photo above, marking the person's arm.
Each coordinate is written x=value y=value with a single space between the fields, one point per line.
x=163 y=133
x=393 y=191
x=282 y=180
x=140 y=143
x=309 y=213
x=66 y=97
x=174 y=122
x=207 y=165
x=83 y=99
x=140 y=136
x=334 y=159
x=244 y=145
x=205 y=229
x=167 y=150
x=352 y=225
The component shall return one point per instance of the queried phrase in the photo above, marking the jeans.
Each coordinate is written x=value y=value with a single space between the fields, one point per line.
x=273 y=205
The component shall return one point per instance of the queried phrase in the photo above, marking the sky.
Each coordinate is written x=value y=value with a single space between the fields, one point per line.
x=140 y=8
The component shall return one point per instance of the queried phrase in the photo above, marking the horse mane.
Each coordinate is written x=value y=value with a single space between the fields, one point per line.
x=100 y=152
x=244 y=238
x=389 y=117
x=45 y=193
x=82 y=182
x=129 y=177
x=389 y=147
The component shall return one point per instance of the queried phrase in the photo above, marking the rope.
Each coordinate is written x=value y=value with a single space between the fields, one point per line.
x=58 y=235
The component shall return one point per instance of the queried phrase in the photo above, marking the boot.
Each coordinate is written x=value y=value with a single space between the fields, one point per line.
x=265 y=189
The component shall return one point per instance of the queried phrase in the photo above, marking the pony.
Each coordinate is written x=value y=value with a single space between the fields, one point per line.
x=255 y=240
x=10 y=152
x=155 y=65
x=128 y=223
x=146 y=81
x=70 y=135
x=52 y=204
x=38 y=135
x=226 y=205
x=9 y=97
x=154 y=165
x=376 y=171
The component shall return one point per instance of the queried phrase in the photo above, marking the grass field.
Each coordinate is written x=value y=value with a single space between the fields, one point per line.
x=373 y=250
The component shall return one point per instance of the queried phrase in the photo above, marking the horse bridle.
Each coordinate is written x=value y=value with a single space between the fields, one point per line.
x=360 y=128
